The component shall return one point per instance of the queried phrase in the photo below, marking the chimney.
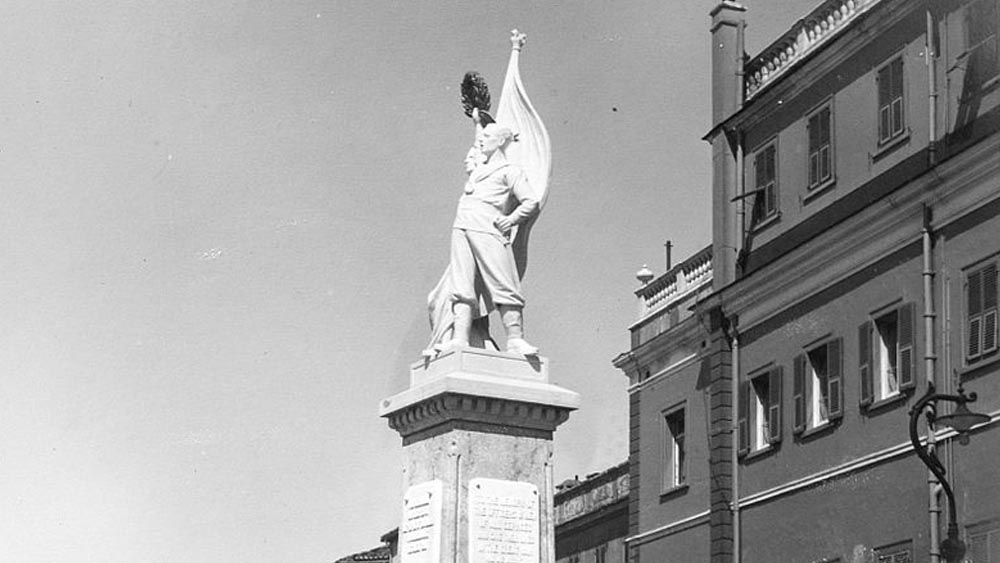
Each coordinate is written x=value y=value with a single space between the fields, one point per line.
x=728 y=23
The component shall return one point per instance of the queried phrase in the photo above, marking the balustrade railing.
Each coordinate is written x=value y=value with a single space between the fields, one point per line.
x=806 y=35
x=675 y=283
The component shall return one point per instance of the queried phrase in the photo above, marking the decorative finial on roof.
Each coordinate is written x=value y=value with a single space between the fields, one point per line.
x=517 y=39
x=644 y=275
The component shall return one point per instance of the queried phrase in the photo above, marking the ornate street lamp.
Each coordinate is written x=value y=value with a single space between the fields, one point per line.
x=962 y=420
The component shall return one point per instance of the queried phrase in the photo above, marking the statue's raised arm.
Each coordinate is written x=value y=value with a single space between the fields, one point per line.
x=509 y=168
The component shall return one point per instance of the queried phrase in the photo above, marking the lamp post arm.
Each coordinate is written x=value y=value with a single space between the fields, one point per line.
x=929 y=458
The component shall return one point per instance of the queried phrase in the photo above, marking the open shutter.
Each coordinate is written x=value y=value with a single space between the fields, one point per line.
x=906 y=360
x=990 y=308
x=865 y=363
x=974 y=308
x=774 y=406
x=799 y=393
x=835 y=388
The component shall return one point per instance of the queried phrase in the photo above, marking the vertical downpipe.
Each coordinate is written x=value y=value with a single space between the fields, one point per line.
x=930 y=369
x=734 y=438
x=735 y=383
x=931 y=57
x=741 y=221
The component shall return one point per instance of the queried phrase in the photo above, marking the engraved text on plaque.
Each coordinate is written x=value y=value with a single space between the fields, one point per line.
x=503 y=522
x=420 y=531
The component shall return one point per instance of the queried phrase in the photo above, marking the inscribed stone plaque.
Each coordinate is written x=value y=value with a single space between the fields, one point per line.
x=503 y=522
x=420 y=531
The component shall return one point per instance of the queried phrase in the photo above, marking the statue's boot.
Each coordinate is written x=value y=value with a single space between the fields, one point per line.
x=513 y=321
x=463 y=326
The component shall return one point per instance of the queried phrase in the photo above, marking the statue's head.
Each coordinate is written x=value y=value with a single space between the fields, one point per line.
x=473 y=158
x=494 y=137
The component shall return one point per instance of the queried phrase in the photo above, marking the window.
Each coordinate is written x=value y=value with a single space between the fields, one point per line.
x=896 y=553
x=890 y=101
x=675 y=464
x=760 y=411
x=885 y=355
x=817 y=387
x=981 y=312
x=981 y=22
x=820 y=147
x=984 y=543
x=765 y=203
x=601 y=554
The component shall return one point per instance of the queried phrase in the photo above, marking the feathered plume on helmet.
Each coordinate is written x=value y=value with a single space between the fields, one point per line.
x=476 y=96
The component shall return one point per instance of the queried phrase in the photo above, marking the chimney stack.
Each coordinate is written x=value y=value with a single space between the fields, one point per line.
x=728 y=23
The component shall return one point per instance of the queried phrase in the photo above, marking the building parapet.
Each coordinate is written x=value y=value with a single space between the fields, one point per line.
x=806 y=36
x=675 y=284
x=598 y=491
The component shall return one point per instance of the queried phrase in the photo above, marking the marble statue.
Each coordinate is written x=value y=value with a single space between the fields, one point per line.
x=509 y=167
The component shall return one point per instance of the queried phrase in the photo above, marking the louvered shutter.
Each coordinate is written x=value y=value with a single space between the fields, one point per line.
x=799 y=393
x=774 y=406
x=974 y=309
x=834 y=381
x=989 y=308
x=865 y=362
x=906 y=363
x=743 y=427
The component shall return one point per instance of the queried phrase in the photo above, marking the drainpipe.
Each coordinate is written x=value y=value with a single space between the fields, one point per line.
x=734 y=450
x=735 y=383
x=930 y=369
x=931 y=57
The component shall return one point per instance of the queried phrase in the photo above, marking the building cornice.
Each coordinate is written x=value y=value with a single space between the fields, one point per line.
x=663 y=373
x=698 y=519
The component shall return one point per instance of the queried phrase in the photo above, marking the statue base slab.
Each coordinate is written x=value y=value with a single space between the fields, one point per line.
x=477 y=433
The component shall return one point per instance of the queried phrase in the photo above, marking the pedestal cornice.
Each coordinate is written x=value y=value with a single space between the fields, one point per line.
x=479 y=390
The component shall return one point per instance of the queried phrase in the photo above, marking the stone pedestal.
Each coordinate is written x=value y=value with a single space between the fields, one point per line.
x=477 y=458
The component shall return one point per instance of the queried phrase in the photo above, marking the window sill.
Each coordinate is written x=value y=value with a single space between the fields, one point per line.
x=976 y=368
x=672 y=492
x=760 y=452
x=890 y=146
x=884 y=404
x=816 y=431
x=766 y=222
x=819 y=189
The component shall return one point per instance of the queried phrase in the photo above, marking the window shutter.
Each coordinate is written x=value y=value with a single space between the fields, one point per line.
x=835 y=388
x=865 y=362
x=989 y=308
x=906 y=360
x=774 y=406
x=799 y=393
x=743 y=402
x=974 y=306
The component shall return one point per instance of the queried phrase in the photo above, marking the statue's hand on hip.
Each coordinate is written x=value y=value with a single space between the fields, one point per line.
x=504 y=224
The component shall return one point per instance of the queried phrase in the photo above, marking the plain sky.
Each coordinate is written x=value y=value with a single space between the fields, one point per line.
x=219 y=222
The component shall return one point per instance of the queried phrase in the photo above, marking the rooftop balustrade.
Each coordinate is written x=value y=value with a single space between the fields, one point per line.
x=808 y=34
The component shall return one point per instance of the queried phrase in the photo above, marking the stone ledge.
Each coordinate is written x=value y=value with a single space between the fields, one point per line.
x=480 y=362
x=490 y=391
x=482 y=386
x=476 y=413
